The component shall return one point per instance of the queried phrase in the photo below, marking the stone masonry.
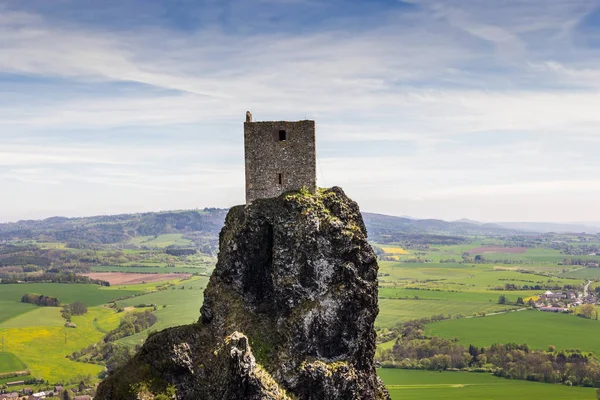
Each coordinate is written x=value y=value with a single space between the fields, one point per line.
x=280 y=156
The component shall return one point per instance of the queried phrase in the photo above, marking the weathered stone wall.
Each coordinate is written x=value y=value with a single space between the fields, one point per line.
x=267 y=156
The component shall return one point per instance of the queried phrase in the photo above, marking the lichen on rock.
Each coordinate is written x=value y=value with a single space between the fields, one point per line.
x=288 y=312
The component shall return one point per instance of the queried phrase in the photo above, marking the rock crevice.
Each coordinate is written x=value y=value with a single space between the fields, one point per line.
x=288 y=312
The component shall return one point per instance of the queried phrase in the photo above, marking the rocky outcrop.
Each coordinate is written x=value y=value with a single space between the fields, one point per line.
x=288 y=312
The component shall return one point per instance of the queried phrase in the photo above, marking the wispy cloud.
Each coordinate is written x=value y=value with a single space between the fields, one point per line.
x=434 y=80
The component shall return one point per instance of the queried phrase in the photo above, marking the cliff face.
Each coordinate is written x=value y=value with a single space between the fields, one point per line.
x=288 y=312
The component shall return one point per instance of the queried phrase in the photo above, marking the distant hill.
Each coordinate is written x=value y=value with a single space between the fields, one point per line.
x=469 y=221
x=385 y=228
x=545 y=227
x=203 y=226
x=112 y=229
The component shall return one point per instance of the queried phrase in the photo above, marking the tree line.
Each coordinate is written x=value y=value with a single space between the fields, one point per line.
x=52 y=277
x=75 y=308
x=40 y=300
x=131 y=324
x=414 y=350
x=108 y=352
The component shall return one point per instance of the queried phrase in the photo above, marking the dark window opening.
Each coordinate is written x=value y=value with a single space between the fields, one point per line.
x=282 y=135
x=280 y=179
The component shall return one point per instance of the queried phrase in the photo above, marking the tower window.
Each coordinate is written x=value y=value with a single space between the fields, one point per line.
x=280 y=179
x=282 y=135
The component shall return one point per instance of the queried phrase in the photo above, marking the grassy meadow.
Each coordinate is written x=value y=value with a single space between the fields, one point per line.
x=418 y=290
x=42 y=343
x=538 y=329
x=392 y=311
x=38 y=337
x=583 y=273
x=417 y=285
x=10 y=363
x=150 y=269
x=10 y=308
x=90 y=295
x=427 y=385
x=408 y=290
x=175 y=307
x=4 y=381
x=160 y=240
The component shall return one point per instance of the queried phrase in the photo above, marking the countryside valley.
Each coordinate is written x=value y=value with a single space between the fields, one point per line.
x=466 y=309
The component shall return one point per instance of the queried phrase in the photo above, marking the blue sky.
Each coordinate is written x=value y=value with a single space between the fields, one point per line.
x=446 y=109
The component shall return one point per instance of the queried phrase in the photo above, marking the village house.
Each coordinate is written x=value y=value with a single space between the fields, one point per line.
x=548 y=295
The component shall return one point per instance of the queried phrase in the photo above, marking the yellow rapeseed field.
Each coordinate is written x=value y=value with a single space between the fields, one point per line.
x=43 y=348
x=394 y=250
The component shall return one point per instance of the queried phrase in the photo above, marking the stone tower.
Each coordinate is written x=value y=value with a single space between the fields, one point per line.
x=280 y=156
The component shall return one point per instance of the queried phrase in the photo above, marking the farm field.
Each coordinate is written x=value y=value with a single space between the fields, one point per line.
x=419 y=290
x=528 y=257
x=10 y=363
x=393 y=250
x=90 y=295
x=538 y=329
x=128 y=278
x=392 y=311
x=415 y=285
x=38 y=337
x=426 y=385
x=582 y=273
x=460 y=277
x=160 y=240
x=4 y=381
x=39 y=316
x=182 y=307
x=151 y=269
x=10 y=308
x=497 y=249
x=481 y=296
x=43 y=348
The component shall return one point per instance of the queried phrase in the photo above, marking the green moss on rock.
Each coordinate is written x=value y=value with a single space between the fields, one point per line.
x=296 y=275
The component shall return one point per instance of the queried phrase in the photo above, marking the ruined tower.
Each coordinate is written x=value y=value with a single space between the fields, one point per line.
x=280 y=156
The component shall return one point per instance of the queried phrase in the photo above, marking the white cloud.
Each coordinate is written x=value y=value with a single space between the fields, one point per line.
x=427 y=78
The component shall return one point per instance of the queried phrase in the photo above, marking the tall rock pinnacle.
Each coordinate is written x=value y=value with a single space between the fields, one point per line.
x=288 y=312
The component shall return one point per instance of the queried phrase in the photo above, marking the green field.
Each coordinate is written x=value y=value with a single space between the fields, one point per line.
x=90 y=295
x=407 y=291
x=183 y=306
x=428 y=385
x=40 y=316
x=538 y=329
x=583 y=273
x=38 y=337
x=160 y=240
x=460 y=277
x=43 y=345
x=37 y=334
x=406 y=301
x=150 y=269
x=392 y=312
x=10 y=308
x=10 y=363
x=17 y=387
x=471 y=296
